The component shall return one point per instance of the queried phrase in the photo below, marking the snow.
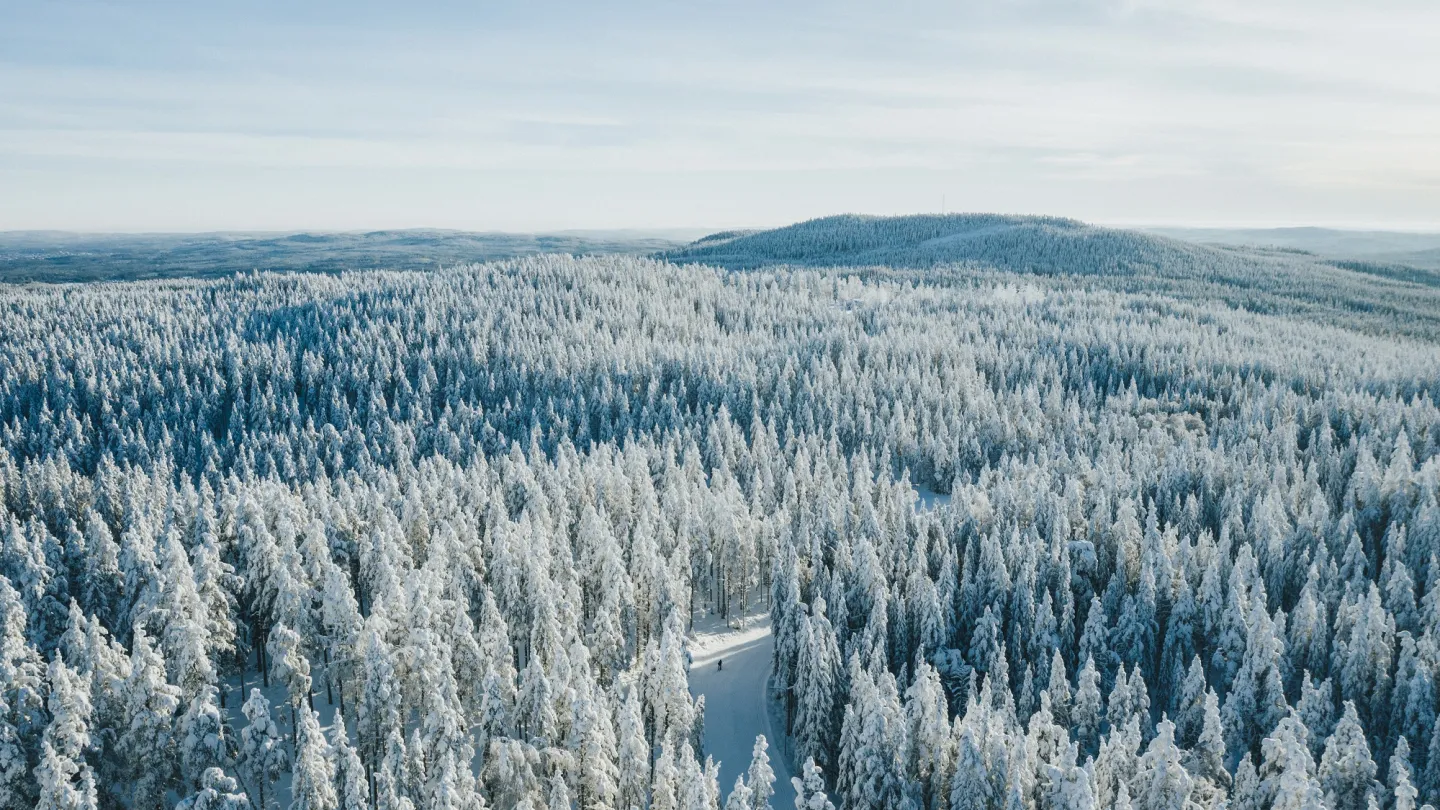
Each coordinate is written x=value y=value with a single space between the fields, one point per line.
x=737 y=704
x=930 y=499
x=235 y=698
x=236 y=694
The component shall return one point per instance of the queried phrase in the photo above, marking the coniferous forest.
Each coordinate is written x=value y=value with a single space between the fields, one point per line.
x=412 y=540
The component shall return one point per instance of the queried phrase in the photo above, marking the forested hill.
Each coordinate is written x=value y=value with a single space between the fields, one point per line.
x=1035 y=244
x=1375 y=298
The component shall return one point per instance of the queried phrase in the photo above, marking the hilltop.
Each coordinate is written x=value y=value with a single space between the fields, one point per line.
x=1374 y=297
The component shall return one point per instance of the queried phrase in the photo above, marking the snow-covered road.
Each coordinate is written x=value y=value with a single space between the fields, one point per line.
x=736 y=702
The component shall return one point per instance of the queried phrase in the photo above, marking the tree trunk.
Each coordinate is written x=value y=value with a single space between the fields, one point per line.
x=260 y=659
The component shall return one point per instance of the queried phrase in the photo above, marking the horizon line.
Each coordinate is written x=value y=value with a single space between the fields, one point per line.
x=1211 y=225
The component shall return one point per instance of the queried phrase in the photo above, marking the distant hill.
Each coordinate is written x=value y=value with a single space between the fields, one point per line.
x=1030 y=244
x=1377 y=297
x=1385 y=247
x=54 y=256
x=1429 y=259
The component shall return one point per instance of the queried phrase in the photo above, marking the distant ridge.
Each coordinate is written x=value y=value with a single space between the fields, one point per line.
x=54 y=256
x=1414 y=248
x=1377 y=297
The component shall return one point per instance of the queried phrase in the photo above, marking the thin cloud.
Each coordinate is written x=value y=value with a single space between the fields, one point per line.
x=1320 y=109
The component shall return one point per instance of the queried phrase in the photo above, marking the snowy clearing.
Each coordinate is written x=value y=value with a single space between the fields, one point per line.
x=930 y=499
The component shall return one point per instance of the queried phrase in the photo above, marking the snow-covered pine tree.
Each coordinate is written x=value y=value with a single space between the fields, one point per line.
x=740 y=797
x=1086 y=716
x=1402 y=777
x=1161 y=781
x=147 y=744
x=341 y=626
x=598 y=779
x=312 y=778
x=810 y=789
x=216 y=792
x=206 y=740
x=263 y=758
x=1347 y=772
x=760 y=778
x=378 y=706
x=388 y=778
x=1287 y=771
x=352 y=783
x=815 y=685
x=1069 y=784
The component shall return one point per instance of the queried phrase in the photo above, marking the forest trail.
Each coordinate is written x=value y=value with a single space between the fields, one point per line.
x=737 y=701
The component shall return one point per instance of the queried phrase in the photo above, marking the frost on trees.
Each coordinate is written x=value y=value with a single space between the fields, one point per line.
x=411 y=540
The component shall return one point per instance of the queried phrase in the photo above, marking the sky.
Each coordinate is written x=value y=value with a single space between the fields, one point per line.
x=196 y=116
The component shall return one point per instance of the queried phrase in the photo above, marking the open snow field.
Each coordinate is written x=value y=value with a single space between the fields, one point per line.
x=736 y=699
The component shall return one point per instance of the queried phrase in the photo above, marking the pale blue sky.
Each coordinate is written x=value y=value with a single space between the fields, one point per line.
x=216 y=115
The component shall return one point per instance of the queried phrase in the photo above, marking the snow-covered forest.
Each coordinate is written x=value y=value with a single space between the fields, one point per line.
x=1373 y=297
x=439 y=540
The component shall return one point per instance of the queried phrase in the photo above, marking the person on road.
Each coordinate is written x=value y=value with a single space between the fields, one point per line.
x=719 y=663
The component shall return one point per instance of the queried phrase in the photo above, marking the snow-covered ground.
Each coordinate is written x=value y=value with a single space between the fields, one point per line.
x=737 y=699
x=930 y=499
x=235 y=699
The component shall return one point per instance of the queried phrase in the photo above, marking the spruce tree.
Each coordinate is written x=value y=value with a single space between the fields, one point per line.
x=147 y=744
x=263 y=757
x=810 y=789
x=1347 y=773
x=217 y=791
x=312 y=779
